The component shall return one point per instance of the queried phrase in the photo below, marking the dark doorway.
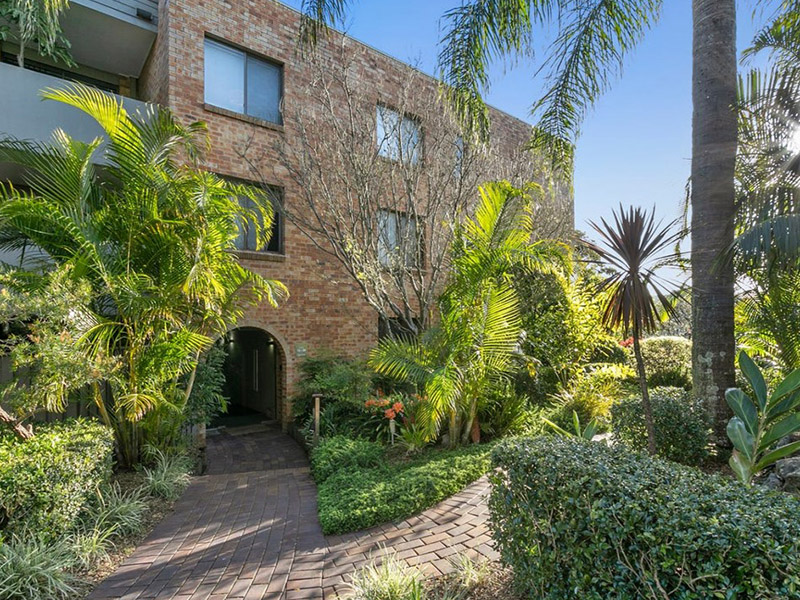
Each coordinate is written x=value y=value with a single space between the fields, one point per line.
x=252 y=370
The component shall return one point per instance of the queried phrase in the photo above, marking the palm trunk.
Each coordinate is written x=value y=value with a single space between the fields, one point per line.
x=714 y=131
x=649 y=424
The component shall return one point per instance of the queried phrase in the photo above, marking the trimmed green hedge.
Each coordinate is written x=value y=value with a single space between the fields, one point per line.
x=667 y=361
x=681 y=425
x=46 y=481
x=357 y=496
x=577 y=519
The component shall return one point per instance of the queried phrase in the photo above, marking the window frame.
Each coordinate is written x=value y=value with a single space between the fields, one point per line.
x=248 y=55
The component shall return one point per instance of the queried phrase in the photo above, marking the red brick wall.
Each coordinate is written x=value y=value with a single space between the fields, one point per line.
x=325 y=310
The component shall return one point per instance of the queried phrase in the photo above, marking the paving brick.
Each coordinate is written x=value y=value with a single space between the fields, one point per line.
x=261 y=539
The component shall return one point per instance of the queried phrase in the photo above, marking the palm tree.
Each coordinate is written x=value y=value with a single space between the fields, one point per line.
x=480 y=325
x=593 y=40
x=151 y=234
x=635 y=248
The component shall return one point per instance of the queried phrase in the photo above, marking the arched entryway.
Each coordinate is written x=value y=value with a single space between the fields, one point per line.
x=254 y=368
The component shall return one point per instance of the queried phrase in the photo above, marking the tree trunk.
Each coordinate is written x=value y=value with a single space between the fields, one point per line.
x=646 y=407
x=22 y=432
x=714 y=131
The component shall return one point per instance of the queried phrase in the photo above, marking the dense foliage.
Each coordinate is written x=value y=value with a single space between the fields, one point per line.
x=580 y=519
x=338 y=453
x=667 y=361
x=680 y=421
x=46 y=482
x=354 y=495
x=480 y=325
x=151 y=237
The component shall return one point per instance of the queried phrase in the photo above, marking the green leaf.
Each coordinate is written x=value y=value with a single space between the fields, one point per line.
x=742 y=439
x=778 y=454
x=576 y=423
x=754 y=376
x=556 y=428
x=787 y=386
x=741 y=467
x=591 y=429
x=788 y=403
x=743 y=407
x=782 y=428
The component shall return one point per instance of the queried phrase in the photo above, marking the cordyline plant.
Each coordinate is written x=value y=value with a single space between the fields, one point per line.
x=635 y=249
x=150 y=236
x=758 y=427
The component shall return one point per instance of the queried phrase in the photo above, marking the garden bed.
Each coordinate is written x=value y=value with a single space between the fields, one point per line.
x=361 y=484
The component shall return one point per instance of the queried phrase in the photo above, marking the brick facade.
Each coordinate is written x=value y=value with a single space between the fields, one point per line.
x=326 y=311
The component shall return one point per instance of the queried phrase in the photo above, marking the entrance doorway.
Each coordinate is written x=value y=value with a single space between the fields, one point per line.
x=252 y=377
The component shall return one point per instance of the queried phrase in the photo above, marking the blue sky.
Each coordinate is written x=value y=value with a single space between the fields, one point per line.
x=635 y=145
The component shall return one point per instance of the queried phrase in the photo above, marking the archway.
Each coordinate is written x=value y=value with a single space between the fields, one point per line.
x=253 y=377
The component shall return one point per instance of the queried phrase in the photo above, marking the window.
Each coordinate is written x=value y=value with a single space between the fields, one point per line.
x=237 y=81
x=247 y=234
x=399 y=136
x=399 y=240
x=459 y=151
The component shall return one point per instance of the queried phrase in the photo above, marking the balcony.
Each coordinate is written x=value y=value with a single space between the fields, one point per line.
x=24 y=115
x=112 y=35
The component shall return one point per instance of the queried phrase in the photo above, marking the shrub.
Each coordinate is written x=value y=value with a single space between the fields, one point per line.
x=577 y=519
x=591 y=395
x=335 y=378
x=339 y=453
x=46 y=481
x=667 y=361
x=504 y=411
x=34 y=568
x=388 y=579
x=351 y=499
x=681 y=425
x=169 y=475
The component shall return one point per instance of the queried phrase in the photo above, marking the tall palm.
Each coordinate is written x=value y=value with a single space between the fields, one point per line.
x=635 y=249
x=480 y=324
x=593 y=40
x=151 y=233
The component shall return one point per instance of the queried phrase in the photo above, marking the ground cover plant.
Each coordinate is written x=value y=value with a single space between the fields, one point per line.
x=574 y=518
x=361 y=484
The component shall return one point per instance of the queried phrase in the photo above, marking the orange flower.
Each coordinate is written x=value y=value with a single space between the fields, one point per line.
x=390 y=414
x=397 y=407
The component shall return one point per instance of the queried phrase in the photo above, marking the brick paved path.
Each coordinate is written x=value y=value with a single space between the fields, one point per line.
x=248 y=529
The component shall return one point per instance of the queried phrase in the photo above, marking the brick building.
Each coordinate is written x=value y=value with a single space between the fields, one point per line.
x=234 y=64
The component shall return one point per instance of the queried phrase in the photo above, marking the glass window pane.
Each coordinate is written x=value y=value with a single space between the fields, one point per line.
x=224 y=76
x=264 y=90
x=410 y=139
x=388 y=133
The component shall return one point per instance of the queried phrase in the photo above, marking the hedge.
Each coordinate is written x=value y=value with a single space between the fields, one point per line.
x=578 y=519
x=47 y=480
x=343 y=453
x=680 y=422
x=356 y=497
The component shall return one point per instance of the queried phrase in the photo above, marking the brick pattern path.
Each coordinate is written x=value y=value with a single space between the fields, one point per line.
x=248 y=529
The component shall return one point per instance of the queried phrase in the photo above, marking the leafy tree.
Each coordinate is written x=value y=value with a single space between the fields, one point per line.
x=36 y=21
x=636 y=247
x=480 y=323
x=150 y=234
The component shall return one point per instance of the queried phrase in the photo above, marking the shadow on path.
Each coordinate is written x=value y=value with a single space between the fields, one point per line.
x=248 y=529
